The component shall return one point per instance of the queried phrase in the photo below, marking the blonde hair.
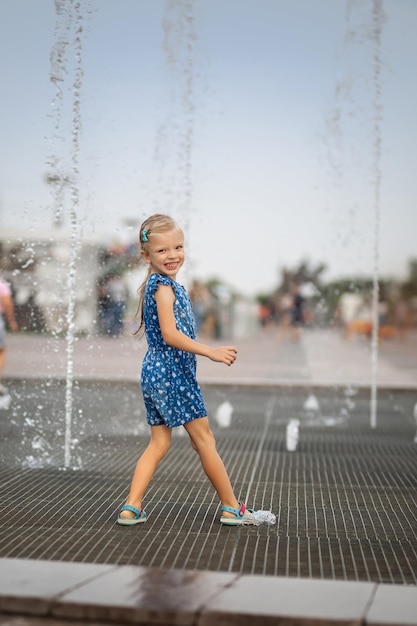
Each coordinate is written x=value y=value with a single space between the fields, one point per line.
x=154 y=224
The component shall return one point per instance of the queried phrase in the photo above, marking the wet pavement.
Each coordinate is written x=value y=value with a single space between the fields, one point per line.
x=345 y=497
x=322 y=358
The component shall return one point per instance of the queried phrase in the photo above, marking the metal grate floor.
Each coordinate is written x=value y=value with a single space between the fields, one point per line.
x=345 y=500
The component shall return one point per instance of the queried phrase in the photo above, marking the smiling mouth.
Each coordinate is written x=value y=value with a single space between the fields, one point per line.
x=171 y=266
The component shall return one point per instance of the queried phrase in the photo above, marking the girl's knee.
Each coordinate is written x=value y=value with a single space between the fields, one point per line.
x=201 y=437
x=209 y=438
x=158 y=450
x=164 y=449
x=160 y=442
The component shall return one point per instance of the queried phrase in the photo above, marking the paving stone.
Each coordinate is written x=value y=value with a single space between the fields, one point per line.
x=30 y=586
x=143 y=595
x=261 y=601
x=393 y=605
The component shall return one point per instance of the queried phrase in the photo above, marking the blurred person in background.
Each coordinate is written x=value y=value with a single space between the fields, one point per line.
x=6 y=314
x=297 y=313
x=113 y=295
x=401 y=317
x=201 y=301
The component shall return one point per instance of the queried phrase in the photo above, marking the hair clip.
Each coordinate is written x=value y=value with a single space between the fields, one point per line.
x=144 y=237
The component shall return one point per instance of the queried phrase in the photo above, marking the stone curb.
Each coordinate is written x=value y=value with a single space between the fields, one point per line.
x=137 y=595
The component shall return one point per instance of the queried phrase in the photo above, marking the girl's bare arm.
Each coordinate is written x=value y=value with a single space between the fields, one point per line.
x=165 y=298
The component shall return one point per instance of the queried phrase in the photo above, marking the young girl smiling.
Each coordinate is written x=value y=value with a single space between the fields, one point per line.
x=171 y=393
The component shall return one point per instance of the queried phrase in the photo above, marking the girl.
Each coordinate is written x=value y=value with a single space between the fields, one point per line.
x=170 y=390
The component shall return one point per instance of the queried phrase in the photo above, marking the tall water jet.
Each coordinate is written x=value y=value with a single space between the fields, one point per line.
x=364 y=26
x=371 y=31
x=178 y=44
x=57 y=178
x=377 y=23
x=69 y=26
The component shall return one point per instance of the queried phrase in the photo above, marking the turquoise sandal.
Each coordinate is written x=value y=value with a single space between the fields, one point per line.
x=139 y=516
x=242 y=516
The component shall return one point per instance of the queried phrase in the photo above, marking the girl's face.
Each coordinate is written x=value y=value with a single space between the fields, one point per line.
x=165 y=252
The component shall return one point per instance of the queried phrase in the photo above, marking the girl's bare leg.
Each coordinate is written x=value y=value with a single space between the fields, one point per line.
x=202 y=440
x=155 y=451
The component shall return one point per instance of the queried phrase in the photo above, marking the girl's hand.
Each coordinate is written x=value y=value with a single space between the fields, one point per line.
x=223 y=354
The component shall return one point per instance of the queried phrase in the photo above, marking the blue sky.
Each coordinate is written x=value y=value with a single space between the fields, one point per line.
x=264 y=147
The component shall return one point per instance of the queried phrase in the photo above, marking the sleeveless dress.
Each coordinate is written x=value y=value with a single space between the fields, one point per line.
x=170 y=390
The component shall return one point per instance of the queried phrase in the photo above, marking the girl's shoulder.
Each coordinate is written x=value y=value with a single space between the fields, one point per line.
x=159 y=279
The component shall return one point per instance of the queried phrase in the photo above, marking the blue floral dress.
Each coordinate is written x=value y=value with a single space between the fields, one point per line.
x=170 y=389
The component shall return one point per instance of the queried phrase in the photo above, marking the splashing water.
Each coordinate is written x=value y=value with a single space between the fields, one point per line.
x=311 y=404
x=223 y=414
x=264 y=517
x=5 y=401
x=292 y=434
